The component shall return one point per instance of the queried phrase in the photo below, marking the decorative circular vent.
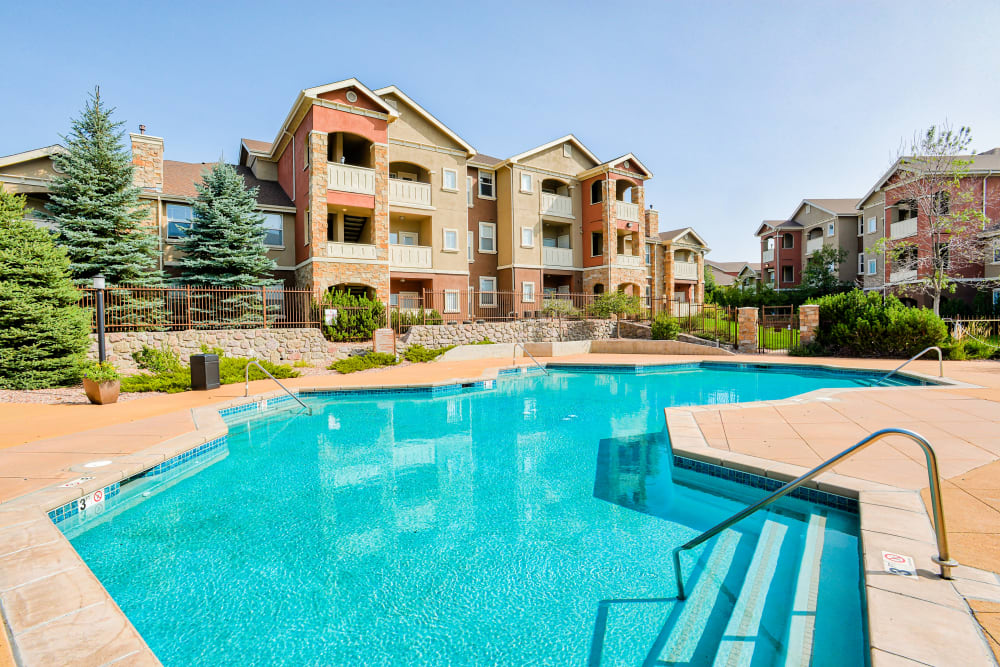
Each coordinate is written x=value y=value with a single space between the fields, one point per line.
x=352 y=96
x=626 y=164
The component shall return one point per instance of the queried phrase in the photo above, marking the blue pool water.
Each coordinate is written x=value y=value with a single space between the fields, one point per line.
x=531 y=523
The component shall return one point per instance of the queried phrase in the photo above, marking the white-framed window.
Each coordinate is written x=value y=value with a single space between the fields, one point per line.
x=596 y=244
x=527 y=292
x=449 y=240
x=861 y=227
x=872 y=225
x=487 y=292
x=487 y=237
x=486 y=184
x=470 y=244
x=861 y=263
x=449 y=180
x=996 y=252
x=470 y=183
x=525 y=182
x=597 y=192
x=274 y=230
x=567 y=149
x=179 y=220
x=649 y=253
x=305 y=153
x=451 y=301
x=403 y=238
x=872 y=267
x=809 y=209
x=307 y=233
x=830 y=227
x=527 y=237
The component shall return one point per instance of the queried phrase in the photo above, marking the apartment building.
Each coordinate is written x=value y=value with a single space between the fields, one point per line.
x=726 y=274
x=366 y=191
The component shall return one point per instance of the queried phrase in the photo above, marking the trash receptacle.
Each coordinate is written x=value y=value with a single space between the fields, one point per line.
x=204 y=371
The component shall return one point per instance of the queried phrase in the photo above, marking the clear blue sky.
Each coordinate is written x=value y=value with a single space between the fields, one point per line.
x=739 y=109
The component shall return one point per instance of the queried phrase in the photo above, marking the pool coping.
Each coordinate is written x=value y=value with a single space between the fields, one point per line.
x=53 y=605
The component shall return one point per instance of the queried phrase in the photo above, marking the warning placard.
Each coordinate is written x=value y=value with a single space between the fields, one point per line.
x=899 y=564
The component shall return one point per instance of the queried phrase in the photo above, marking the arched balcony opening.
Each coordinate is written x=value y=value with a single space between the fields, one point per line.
x=408 y=171
x=409 y=185
x=554 y=186
x=350 y=149
x=625 y=190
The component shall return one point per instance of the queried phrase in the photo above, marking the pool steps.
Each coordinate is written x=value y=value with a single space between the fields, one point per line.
x=802 y=625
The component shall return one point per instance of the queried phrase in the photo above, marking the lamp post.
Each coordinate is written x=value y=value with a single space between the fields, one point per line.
x=99 y=287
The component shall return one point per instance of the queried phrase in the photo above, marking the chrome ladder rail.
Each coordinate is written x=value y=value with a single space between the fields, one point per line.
x=914 y=358
x=246 y=383
x=523 y=349
x=942 y=559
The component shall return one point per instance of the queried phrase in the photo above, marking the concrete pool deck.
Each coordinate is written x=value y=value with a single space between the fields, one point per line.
x=40 y=444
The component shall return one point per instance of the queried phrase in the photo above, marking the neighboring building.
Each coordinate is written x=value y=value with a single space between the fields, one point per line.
x=741 y=274
x=367 y=191
x=683 y=261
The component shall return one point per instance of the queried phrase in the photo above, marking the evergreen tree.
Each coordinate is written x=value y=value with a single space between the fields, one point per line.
x=96 y=207
x=225 y=244
x=43 y=331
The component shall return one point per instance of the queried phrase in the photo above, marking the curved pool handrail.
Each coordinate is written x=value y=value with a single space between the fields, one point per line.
x=246 y=383
x=914 y=358
x=523 y=349
x=942 y=559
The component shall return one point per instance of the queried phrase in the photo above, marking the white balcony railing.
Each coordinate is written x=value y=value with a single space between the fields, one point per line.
x=902 y=275
x=767 y=256
x=347 y=178
x=409 y=193
x=557 y=256
x=903 y=228
x=812 y=245
x=686 y=270
x=410 y=256
x=627 y=211
x=630 y=261
x=351 y=251
x=557 y=205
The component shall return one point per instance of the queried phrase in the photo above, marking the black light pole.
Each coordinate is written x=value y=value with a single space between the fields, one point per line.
x=99 y=286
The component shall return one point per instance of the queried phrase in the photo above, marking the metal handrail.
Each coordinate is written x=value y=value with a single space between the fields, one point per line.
x=246 y=383
x=914 y=358
x=524 y=349
x=942 y=559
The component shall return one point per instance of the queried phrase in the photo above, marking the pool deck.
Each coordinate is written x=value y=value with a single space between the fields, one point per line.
x=42 y=446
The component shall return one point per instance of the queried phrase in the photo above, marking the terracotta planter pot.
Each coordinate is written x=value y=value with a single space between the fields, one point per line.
x=101 y=392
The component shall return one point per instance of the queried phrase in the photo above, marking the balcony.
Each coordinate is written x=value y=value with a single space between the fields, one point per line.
x=409 y=193
x=903 y=228
x=767 y=256
x=561 y=257
x=348 y=178
x=627 y=211
x=685 y=270
x=812 y=245
x=630 y=261
x=410 y=256
x=357 y=251
x=902 y=275
x=557 y=205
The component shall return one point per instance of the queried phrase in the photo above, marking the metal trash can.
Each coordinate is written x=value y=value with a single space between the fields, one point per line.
x=205 y=371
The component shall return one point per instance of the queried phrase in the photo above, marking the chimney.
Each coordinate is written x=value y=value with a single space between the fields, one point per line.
x=652 y=222
x=147 y=159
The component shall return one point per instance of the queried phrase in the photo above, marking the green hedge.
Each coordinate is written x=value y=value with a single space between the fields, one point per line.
x=357 y=316
x=857 y=324
x=419 y=353
x=664 y=327
x=364 y=362
x=166 y=373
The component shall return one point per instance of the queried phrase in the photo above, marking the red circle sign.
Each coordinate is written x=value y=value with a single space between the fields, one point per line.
x=98 y=496
x=895 y=558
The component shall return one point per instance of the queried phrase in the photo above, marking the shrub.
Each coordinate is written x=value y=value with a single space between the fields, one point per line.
x=364 y=362
x=664 y=327
x=953 y=350
x=171 y=383
x=419 y=353
x=100 y=372
x=485 y=341
x=559 y=307
x=409 y=318
x=615 y=303
x=812 y=349
x=357 y=316
x=163 y=360
x=866 y=325
x=177 y=379
x=301 y=363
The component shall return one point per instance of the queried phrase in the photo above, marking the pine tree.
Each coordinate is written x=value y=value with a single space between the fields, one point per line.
x=96 y=207
x=43 y=331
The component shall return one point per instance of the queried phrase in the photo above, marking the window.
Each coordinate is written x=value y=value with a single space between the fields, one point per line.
x=996 y=252
x=450 y=240
x=274 y=231
x=527 y=237
x=487 y=237
x=809 y=209
x=787 y=274
x=451 y=301
x=527 y=292
x=394 y=300
x=567 y=150
x=596 y=244
x=487 y=287
x=307 y=235
x=872 y=225
x=596 y=192
x=861 y=227
x=470 y=243
x=305 y=153
x=996 y=298
x=469 y=185
x=861 y=263
x=403 y=238
x=944 y=255
x=486 y=184
x=830 y=229
x=525 y=182
x=178 y=221
x=872 y=267
x=942 y=203
x=649 y=253
x=787 y=241
x=449 y=180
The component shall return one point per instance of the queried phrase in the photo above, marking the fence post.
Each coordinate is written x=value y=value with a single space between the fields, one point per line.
x=263 y=300
x=746 y=334
x=188 y=290
x=808 y=323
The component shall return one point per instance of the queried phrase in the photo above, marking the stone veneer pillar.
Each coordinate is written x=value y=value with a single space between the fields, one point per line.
x=808 y=323
x=147 y=161
x=747 y=330
x=700 y=289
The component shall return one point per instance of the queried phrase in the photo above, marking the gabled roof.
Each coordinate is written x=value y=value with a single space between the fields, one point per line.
x=34 y=154
x=633 y=160
x=674 y=234
x=985 y=162
x=316 y=91
x=427 y=115
x=770 y=225
x=258 y=147
x=728 y=267
x=555 y=142
x=179 y=179
x=481 y=160
x=832 y=206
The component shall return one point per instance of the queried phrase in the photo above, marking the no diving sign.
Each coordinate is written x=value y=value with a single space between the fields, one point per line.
x=899 y=564
x=92 y=500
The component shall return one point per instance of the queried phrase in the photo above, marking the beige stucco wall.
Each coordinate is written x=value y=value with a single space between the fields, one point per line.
x=551 y=159
x=874 y=206
x=40 y=168
x=527 y=213
x=504 y=220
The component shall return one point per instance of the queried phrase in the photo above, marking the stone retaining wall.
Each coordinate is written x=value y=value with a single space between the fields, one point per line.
x=540 y=331
x=276 y=345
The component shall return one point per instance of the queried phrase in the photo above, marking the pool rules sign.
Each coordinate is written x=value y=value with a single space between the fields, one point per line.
x=899 y=564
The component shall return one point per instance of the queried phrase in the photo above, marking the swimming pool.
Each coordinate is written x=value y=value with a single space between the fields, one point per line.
x=530 y=522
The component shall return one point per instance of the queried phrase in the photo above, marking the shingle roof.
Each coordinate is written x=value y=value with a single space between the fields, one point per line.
x=838 y=206
x=259 y=146
x=728 y=267
x=179 y=179
x=488 y=160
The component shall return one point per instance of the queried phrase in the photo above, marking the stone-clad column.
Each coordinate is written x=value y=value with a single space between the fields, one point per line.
x=747 y=330
x=808 y=323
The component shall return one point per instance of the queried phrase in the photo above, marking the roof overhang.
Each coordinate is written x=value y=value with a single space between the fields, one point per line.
x=393 y=90
x=555 y=142
x=34 y=154
x=684 y=232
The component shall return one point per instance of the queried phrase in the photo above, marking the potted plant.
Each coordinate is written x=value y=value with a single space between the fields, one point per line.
x=101 y=382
